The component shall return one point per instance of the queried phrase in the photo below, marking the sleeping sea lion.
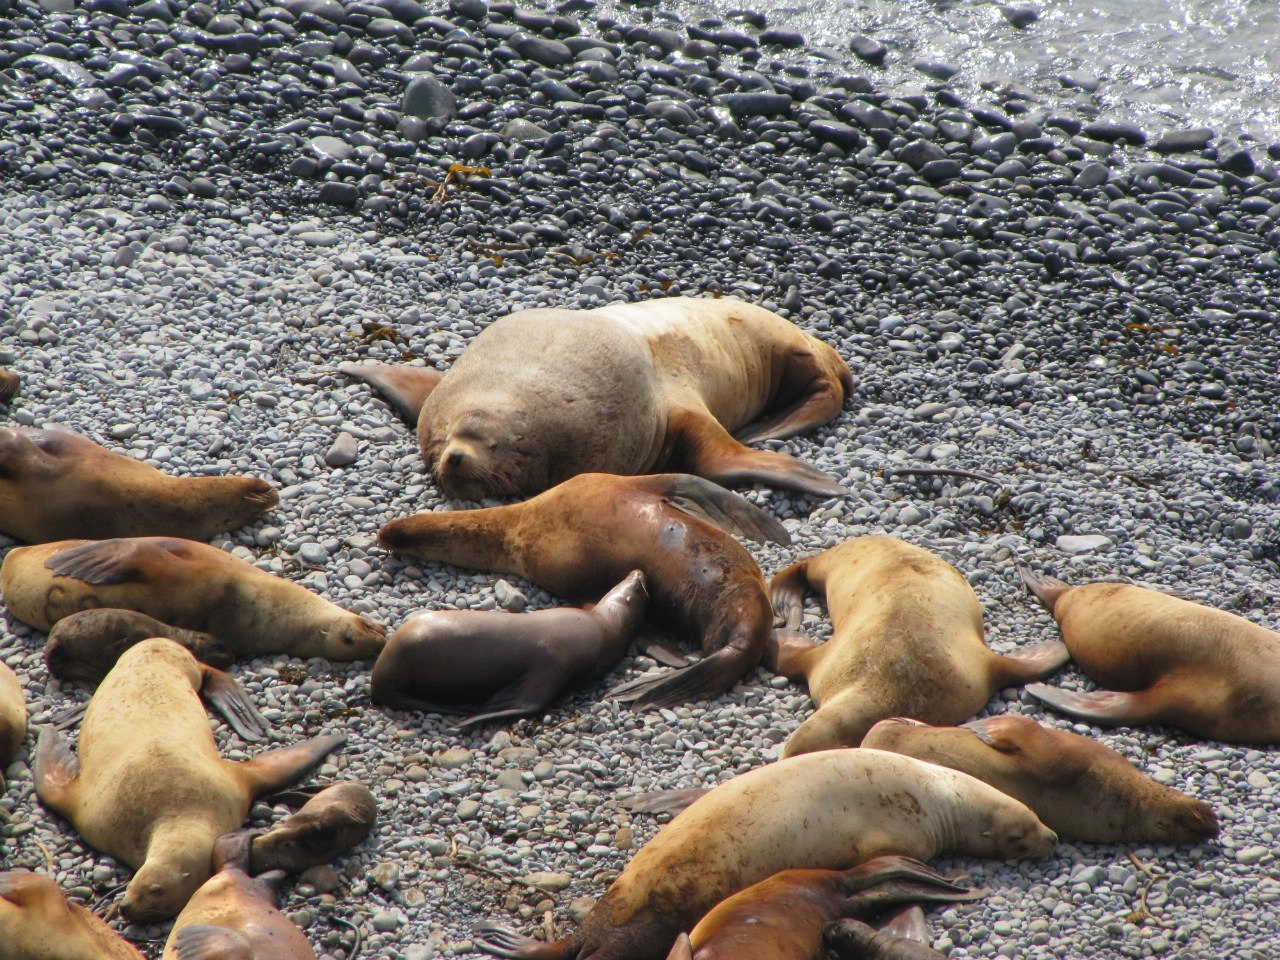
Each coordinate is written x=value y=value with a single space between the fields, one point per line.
x=329 y=825
x=665 y=385
x=189 y=585
x=83 y=647
x=499 y=665
x=13 y=716
x=580 y=538
x=1079 y=788
x=828 y=810
x=907 y=641
x=57 y=485
x=148 y=786
x=1164 y=660
x=38 y=922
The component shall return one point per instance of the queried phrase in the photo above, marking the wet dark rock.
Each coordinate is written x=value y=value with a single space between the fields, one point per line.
x=941 y=170
x=1191 y=140
x=937 y=69
x=782 y=38
x=549 y=53
x=339 y=194
x=1019 y=16
x=426 y=98
x=1234 y=157
x=841 y=134
x=757 y=104
x=920 y=152
x=872 y=51
x=1113 y=131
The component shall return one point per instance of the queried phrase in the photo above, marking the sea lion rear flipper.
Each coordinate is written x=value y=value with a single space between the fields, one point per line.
x=707 y=501
x=102 y=562
x=202 y=941
x=1046 y=589
x=1108 y=707
x=818 y=394
x=224 y=693
x=682 y=949
x=270 y=771
x=655 y=649
x=664 y=801
x=1035 y=662
x=504 y=942
x=709 y=677
x=529 y=694
x=909 y=923
x=55 y=769
x=405 y=388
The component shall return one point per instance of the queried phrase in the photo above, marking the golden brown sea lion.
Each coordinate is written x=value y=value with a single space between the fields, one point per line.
x=38 y=922
x=782 y=918
x=13 y=716
x=673 y=385
x=907 y=641
x=56 y=485
x=148 y=786
x=329 y=825
x=189 y=585
x=498 y=665
x=83 y=647
x=580 y=538
x=1164 y=660
x=1078 y=787
x=856 y=940
x=829 y=810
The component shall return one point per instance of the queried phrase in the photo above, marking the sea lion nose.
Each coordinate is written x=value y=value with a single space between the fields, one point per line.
x=453 y=459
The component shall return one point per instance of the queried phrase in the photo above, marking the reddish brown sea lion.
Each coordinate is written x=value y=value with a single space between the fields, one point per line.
x=580 y=538
x=56 y=485
x=38 y=922
x=674 y=385
x=1164 y=660
x=13 y=716
x=147 y=784
x=189 y=585
x=329 y=825
x=907 y=641
x=498 y=665
x=1078 y=787
x=828 y=810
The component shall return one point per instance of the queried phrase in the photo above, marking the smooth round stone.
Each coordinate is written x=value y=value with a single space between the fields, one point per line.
x=1085 y=543
x=313 y=553
x=468 y=810
x=384 y=921
x=332 y=148
x=343 y=452
x=427 y=98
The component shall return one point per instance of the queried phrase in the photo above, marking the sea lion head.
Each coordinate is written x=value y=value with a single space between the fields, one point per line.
x=484 y=453
x=162 y=887
x=350 y=638
x=1015 y=833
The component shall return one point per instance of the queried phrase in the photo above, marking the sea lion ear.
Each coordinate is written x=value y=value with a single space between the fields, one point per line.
x=713 y=503
x=990 y=731
x=202 y=941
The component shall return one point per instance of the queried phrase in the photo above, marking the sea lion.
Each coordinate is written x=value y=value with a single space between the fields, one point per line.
x=149 y=786
x=580 y=538
x=330 y=824
x=856 y=940
x=83 y=647
x=907 y=641
x=38 y=922
x=9 y=384
x=57 y=485
x=665 y=385
x=782 y=918
x=1079 y=788
x=13 y=716
x=1164 y=660
x=498 y=665
x=828 y=810
x=189 y=585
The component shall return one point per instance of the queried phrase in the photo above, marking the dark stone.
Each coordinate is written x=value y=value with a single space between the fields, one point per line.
x=339 y=194
x=872 y=51
x=919 y=152
x=1111 y=131
x=841 y=134
x=471 y=9
x=1235 y=158
x=1020 y=17
x=329 y=10
x=549 y=53
x=1001 y=144
x=426 y=98
x=1191 y=140
x=936 y=69
x=676 y=114
x=757 y=103
x=939 y=171
x=782 y=38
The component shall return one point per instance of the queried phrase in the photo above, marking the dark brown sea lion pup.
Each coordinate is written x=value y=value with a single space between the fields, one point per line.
x=782 y=918
x=329 y=825
x=1164 y=660
x=38 y=922
x=580 y=538
x=56 y=485
x=13 y=716
x=829 y=810
x=83 y=647
x=674 y=385
x=1078 y=787
x=148 y=786
x=189 y=585
x=856 y=940
x=499 y=665
x=907 y=642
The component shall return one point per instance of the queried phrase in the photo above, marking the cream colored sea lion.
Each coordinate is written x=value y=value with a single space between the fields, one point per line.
x=38 y=922
x=498 y=665
x=1078 y=787
x=83 y=647
x=329 y=825
x=56 y=485
x=828 y=810
x=148 y=786
x=666 y=385
x=907 y=641
x=189 y=585
x=580 y=538
x=1164 y=660
x=13 y=716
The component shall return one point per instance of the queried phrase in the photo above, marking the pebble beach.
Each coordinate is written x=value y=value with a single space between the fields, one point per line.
x=206 y=208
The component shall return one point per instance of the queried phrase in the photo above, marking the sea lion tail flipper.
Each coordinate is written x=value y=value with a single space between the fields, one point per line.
x=682 y=949
x=909 y=923
x=707 y=501
x=224 y=694
x=1108 y=707
x=203 y=941
x=275 y=769
x=530 y=694
x=504 y=942
x=55 y=769
x=664 y=801
x=122 y=560
x=1035 y=662
x=405 y=388
x=709 y=677
x=1047 y=589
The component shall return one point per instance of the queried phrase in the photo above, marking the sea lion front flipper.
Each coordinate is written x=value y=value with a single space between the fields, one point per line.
x=224 y=693
x=405 y=388
x=817 y=397
x=530 y=694
x=708 y=501
x=202 y=941
x=664 y=801
x=1109 y=707
x=1047 y=589
x=655 y=649
x=275 y=769
x=1034 y=662
x=908 y=923
x=55 y=769
x=121 y=560
x=504 y=942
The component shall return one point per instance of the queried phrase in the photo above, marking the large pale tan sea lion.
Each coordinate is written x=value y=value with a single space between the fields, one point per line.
x=57 y=485
x=189 y=585
x=1164 y=660
x=907 y=641
x=85 y=646
x=828 y=810
x=498 y=665
x=38 y=922
x=148 y=786
x=1079 y=788
x=13 y=716
x=674 y=385
x=580 y=538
